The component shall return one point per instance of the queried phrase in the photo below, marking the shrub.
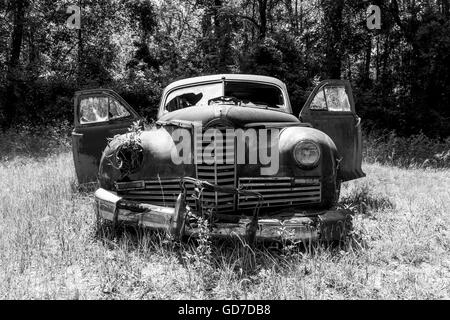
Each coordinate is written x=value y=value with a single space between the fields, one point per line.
x=35 y=141
x=414 y=151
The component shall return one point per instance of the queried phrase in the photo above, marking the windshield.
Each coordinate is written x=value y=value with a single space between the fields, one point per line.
x=255 y=94
x=250 y=94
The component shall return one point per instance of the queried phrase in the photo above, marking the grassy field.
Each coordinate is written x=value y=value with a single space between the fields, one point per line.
x=49 y=248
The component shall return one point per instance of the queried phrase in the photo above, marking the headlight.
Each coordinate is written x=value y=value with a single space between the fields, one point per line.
x=129 y=157
x=307 y=154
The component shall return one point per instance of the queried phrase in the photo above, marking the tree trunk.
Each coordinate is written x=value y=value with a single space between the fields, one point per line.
x=290 y=13
x=385 y=58
x=221 y=38
x=262 y=19
x=80 y=59
x=12 y=75
x=333 y=10
x=301 y=15
x=368 y=57
x=445 y=7
x=377 y=60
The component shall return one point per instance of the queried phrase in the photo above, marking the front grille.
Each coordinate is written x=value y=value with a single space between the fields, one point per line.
x=222 y=170
x=280 y=192
x=158 y=192
x=277 y=192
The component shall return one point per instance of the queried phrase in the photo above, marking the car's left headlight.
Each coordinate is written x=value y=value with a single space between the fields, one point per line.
x=307 y=154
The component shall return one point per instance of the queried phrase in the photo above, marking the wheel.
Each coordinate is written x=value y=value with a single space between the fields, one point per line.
x=106 y=229
x=331 y=191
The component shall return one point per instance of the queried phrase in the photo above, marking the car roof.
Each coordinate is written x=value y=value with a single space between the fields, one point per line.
x=229 y=76
x=226 y=76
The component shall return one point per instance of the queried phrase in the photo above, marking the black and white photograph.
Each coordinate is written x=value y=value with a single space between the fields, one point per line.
x=224 y=150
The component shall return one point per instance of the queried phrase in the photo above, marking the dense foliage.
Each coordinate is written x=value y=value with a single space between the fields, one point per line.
x=400 y=73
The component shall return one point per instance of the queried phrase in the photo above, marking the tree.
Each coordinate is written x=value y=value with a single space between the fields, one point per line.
x=333 y=26
x=400 y=74
x=19 y=8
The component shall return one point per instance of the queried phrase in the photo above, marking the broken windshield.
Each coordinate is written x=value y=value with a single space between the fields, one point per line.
x=251 y=94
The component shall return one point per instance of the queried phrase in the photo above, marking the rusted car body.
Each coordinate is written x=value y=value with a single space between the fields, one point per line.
x=142 y=184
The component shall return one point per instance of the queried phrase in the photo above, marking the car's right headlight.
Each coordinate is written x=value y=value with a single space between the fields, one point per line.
x=307 y=154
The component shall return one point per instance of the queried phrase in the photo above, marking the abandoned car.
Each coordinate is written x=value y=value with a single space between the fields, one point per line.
x=226 y=150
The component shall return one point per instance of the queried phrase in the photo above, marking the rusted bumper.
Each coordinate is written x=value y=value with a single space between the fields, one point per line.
x=294 y=226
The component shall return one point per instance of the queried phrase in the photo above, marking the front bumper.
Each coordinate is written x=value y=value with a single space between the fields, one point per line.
x=292 y=225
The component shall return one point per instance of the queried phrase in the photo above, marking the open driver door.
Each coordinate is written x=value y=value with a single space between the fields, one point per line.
x=99 y=114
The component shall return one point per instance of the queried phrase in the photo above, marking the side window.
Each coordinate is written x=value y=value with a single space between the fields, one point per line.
x=331 y=98
x=337 y=99
x=93 y=109
x=117 y=110
x=101 y=109
x=319 y=102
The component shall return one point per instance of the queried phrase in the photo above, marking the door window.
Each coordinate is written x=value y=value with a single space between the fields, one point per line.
x=319 y=102
x=331 y=98
x=117 y=110
x=101 y=109
x=337 y=99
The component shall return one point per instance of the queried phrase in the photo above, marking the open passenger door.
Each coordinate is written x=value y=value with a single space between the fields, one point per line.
x=331 y=109
x=99 y=114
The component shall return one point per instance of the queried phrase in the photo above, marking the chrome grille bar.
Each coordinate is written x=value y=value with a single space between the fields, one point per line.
x=219 y=172
x=280 y=191
x=158 y=192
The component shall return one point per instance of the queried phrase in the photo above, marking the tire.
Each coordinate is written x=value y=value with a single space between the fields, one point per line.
x=105 y=229
x=331 y=191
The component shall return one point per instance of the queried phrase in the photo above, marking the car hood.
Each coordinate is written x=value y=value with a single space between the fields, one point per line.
x=236 y=115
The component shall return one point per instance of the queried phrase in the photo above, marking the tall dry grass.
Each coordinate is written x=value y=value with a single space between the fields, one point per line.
x=49 y=247
x=416 y=151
